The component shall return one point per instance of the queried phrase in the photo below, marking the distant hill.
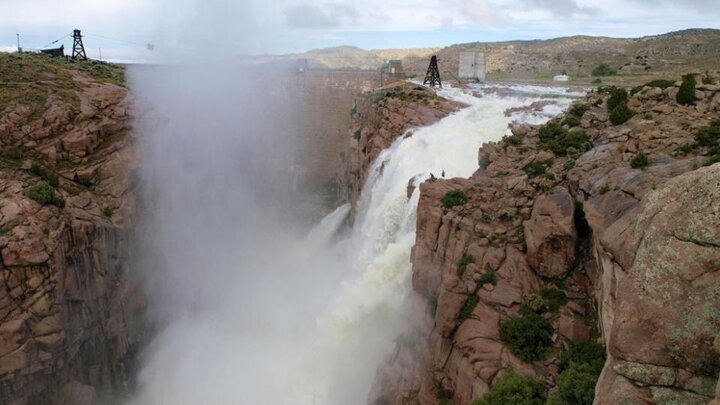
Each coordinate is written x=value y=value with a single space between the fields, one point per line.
x=635 y=59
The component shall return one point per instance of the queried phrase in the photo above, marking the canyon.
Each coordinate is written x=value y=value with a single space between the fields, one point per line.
x=441 y=231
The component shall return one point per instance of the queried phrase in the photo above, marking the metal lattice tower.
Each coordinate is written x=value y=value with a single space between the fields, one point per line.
x=432 y=77
x=78 y=47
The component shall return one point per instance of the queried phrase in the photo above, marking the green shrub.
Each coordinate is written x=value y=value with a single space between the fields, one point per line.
x=661 y=83
x=576 y=385
x=618 y=96
x=590 y=353
x=603 y=69
x=514 y=140
x=571 y=121
x=559 y=140
x=46 y=174
x=554 y=298
x=529 y=336
x=597 y=81
x=469 y=306
x=547 y=300
x=107 y=211
x=598 y=102
x=549 y=131
x=604 y=189
x=514 y=389
x=454 y=198
x=709 y=135
x=578 y=110
x=640 y=161
x=43 y=193
x=537 y=168
x=463 y=263
x=621 y=114
x=686 y=95
x=489 y=277
x=485 y=161
x=574 y=140
x=713 y=159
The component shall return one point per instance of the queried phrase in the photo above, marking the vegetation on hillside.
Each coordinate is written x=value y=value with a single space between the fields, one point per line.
x=603 y=69
x=454 y=198
x=686 y=95
x=561 y=141
x=29 y=79
x=513 y=388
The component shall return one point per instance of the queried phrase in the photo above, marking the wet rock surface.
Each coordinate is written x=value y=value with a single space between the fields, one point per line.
x=70 y=317
x=382 y=116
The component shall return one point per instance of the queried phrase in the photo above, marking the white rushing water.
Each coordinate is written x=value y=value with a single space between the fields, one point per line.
x=370 y=308
x=270 y=318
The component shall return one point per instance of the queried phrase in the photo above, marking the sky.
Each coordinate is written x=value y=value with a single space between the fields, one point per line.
x=121 y=29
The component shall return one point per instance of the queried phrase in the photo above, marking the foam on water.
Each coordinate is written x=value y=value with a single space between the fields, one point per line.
x=370 y=308
x=324 y=310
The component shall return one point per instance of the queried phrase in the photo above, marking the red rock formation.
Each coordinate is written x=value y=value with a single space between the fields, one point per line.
x=381 y=117
x=647 y=263
x=69 y=314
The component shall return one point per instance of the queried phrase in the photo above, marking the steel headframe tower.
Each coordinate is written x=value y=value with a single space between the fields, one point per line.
x=78 y=47
x=432 y=77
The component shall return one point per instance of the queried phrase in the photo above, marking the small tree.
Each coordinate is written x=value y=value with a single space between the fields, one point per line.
x=686 y=95
x=621 y=114
x=529 y=336
x=603 y=69
x=618 y=96
x=515 y=389
x=453 y=198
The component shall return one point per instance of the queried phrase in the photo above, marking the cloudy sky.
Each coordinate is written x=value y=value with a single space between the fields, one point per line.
x=122 y=28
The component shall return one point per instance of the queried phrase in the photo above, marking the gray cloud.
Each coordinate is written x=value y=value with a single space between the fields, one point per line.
x=706 y=6
x=562 y=8
x=308 y=16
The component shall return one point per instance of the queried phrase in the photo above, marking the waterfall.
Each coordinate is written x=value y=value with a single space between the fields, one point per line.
x=255 y=313
x=370 y=309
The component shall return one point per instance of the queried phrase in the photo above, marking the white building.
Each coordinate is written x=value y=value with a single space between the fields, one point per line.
x=472 y=66
x=561 y=78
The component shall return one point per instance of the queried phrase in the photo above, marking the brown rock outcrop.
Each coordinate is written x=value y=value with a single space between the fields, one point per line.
x=550 y=235
x=70 y=317
x=638 y=245
x=381 y=117
x=665 y=306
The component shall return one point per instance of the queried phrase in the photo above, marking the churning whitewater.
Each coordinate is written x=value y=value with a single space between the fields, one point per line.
x=370 y=309
x=269 y=316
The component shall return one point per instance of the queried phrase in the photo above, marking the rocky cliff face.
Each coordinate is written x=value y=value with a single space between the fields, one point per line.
x=70 y=317
x=582 y=230
x=382 y=116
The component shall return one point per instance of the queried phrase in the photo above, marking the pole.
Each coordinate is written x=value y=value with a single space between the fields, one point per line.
x=100 y=52
x=18 y=42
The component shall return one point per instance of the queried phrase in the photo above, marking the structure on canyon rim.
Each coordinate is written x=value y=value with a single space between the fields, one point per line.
x=432 y=77
x=472 y=66
x=78 y=47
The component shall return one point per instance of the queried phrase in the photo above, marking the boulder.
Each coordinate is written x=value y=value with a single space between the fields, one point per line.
x=550 y=235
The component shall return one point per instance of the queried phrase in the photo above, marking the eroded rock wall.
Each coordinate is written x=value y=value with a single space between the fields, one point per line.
x=635 y=244
x=71 y=319
x=380 y=117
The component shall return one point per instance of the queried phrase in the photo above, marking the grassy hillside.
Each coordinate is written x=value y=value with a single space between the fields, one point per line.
x=29 y=79
x=635 y=60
